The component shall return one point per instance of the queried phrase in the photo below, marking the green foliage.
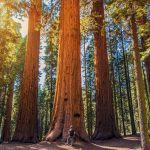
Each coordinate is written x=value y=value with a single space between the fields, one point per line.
x=9 y=47
x=12 y=52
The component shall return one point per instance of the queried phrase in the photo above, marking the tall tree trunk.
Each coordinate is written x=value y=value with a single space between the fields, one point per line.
x=143 y=21
x=46 y=116
x=114 y=96
x=6 y=132
x=41 y=126
x=130 y=105
x=86 y=86
x=105 y=119
x=51 y=78
x=90 y=110
x=146 y=87
x=113 y=82
x=147 y=66
x=121 y=99
x=27 y=123
x=68 y=105
x=3 y=97
x=139 y=87
x=129 y=79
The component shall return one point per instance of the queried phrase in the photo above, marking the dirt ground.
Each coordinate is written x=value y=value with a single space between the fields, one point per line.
x=126 y=143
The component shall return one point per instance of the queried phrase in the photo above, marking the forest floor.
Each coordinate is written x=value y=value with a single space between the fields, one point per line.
x=126 y=143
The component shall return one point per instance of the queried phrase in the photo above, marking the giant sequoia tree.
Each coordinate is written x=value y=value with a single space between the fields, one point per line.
x=105 y=120
x=68 y=107
x=27 y=124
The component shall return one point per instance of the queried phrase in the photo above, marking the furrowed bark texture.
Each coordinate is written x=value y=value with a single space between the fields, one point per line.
x=105 y=120
x=68 y=106
x=27 y=124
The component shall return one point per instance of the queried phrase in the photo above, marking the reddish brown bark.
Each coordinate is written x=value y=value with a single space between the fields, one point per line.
x=68 y=106
x=105 y=120
x=6 y=132
x=27 y=124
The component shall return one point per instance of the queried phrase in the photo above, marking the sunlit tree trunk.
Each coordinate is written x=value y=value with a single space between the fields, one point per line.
x=139 y=87
x=6 y=132
x=105 y=119
x=27 y=123
x=68 y=106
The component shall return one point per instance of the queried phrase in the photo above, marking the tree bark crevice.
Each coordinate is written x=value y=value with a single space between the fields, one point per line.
x=68 y=105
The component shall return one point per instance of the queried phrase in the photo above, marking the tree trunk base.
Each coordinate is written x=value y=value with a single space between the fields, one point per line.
x=23 y=139
x=53 y=135
x=56 y=134
x=105 y=135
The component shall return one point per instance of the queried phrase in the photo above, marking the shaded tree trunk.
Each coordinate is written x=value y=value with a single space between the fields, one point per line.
x=68 y=106
x=51 y=89
x=41 y=126
x=105 y=119
x=139 y=87
x=147 y=66
x=113 y=82
x=6 y=132
x=143 y=42
x=130 y=105
x=46 y=116
x=90 y=111
x=2 y=103
x=146 y=87
x=27 y=123
x=86 y=85
x=114 y=96
x=122 y=112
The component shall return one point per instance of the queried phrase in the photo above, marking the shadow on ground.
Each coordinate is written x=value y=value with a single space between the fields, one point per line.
x=126 y=143
x=51 y=146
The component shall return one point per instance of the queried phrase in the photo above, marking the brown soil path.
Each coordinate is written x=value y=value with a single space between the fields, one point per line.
x=127 y=143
